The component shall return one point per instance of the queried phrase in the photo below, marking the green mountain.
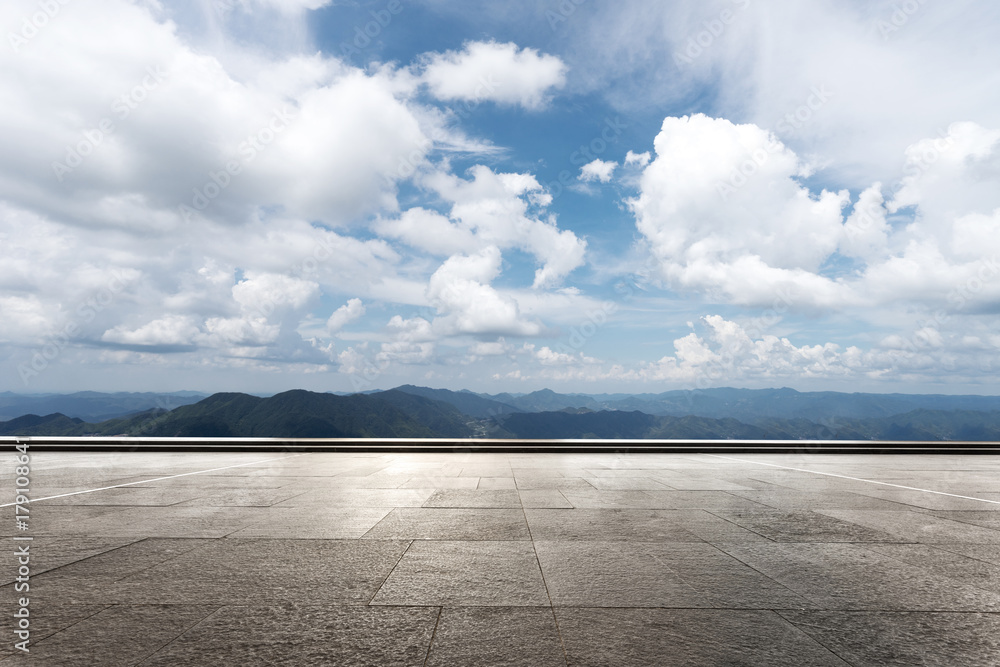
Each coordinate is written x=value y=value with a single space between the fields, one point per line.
x=292 y=414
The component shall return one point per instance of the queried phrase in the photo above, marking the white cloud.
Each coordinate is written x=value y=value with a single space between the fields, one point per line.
x=501 y=73
x=722 y=211
x=490 y=210
x=640 y=159
x=461 y=292
x=598 y=170
x=169 y=330
x=344 y=315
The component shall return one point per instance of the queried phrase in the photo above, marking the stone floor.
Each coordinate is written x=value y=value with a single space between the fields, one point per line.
x=508 y=559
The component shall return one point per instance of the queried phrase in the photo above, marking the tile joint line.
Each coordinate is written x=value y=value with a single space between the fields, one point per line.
x=147 y=481
x=856 y=479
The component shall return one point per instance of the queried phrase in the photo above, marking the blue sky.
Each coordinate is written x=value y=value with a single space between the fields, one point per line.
x=259 y=195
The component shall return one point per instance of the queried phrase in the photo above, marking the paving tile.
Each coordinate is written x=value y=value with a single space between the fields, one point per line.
x=321 y=523
x=544 y=498
x=804 y=527
x=441 y=483
x=605 y=525
x=904 y=639
x=687 y=637
x=852 y=577
x=613 y=574
x=919 y=527
x=711 y=528
x=711 y=500
x=474 y=498
x=439 y=523
x=626 y=484
x=302 y=635
x=177 y=521
x=128 y=495
x=465 y=573
x=491 y=636
x=359 y=498
x=49 y=553
x=118 y=635
x=248 y=497
x=46 y=619
x=227 y=572
x=937 y=560
x=496 y=483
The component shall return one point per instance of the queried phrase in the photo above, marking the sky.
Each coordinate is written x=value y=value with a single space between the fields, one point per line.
x=583 y=195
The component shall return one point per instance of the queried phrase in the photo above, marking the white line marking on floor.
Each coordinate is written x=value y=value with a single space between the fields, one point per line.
x=856 y=479
x=147 y=481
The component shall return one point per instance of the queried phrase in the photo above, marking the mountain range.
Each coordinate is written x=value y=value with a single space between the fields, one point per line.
x=420 y=412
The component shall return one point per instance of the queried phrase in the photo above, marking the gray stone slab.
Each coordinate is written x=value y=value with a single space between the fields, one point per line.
x=176 y=521
x=614 y=574
x=304 y=635
x=498 y=574
x=712 y=528
x=919 y=527
x=260 y=497
x=49 y=553
x=491 y=636
x=804 y=527
x=496 y=483
x=474 y=498
x=425 y=482
x=942 y=563
x=711 y=500
x=904 y=639
x=228 y=572
x=439 y=523
x=544 y=498
x=359 y=498
x=687 y=637
x=117 y=635
x=606 y=525
x=46 y=619
x=851 y=577
x=313 y=522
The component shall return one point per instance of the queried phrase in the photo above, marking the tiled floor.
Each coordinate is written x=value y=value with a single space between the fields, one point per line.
x=508 y=559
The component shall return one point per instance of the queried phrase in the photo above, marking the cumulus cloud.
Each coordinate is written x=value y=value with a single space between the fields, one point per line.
x=598 y=170
x=495 y=209
x=349 y=312
x=501 y=73
x=467 y=304
x=640 y=159
x=722 y=211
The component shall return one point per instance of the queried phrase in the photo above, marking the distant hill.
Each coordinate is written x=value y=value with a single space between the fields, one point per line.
x=925 y=425
x=466 y=402
x=420 y=412
x=752 y=406
x=292 y=414
x=92 y=406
